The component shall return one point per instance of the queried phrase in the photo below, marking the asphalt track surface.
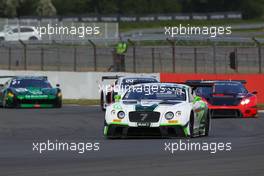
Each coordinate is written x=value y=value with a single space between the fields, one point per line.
x=19 y=128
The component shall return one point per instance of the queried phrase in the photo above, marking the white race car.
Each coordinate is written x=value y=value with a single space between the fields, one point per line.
x=121 y=84
x=157 y=109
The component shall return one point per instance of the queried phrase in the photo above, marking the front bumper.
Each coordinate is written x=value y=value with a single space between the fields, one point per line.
x=123 y=130
x=33 y=103
x=233 y=111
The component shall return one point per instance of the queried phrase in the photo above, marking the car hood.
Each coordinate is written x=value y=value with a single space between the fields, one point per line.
x=153 y=105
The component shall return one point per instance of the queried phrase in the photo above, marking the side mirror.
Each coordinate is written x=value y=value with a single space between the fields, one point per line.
x=197 y=98
x=10 y=32
x=57 y=85
x=255 y=92
x=117 y=98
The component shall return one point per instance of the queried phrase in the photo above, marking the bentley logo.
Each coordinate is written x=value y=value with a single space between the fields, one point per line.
x=143 y=116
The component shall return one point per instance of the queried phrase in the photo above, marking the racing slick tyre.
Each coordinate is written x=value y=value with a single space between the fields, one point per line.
x=191 y=125
x=109 y=133
x=58 y=105
x=32 y=38
x=102 y=101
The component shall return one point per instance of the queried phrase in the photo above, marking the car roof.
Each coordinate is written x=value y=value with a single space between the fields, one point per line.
x=164 y=84
x=16 y=26
x=236 y=82
x=136 y=77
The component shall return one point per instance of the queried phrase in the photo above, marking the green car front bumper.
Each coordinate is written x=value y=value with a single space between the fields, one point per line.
x=33 y=101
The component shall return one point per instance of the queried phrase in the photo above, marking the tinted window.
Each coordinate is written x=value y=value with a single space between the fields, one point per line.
x=15 y=30
x=25 y=83
x=204 y=91
x=158 y=93
x=133 y=81
x=233 y=88
x=221 y=88
x=26 y=30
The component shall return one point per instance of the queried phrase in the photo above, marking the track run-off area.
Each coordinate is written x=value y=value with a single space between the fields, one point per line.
x=21 y=129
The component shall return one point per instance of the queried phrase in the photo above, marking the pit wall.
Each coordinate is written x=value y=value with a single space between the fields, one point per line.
x=255 y=82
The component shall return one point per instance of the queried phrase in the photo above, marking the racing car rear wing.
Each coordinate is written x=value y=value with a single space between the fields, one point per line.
x=4 y=77
x=195 y=84
x=40 y=77
x=212 y=81
x=110 y=77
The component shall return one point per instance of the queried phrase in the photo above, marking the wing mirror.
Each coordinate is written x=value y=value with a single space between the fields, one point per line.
x=197 y=98
x=58 y=85
x=255 y=92
x=117 y=98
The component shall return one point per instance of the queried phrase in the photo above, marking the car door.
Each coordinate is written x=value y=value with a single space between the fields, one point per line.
x=25 y=33
x=12 y=35
x=198 y=108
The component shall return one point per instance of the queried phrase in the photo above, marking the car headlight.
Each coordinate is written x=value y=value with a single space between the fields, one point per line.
x=169 y=115
x=121 y=114
x=10 y=94
x=244 y=102
x=178 y=113
x=59 y=94
x=113 y=112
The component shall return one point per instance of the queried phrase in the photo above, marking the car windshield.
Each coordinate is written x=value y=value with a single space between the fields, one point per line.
x=221 y=88
x=133 y=81
x=157 y=93
x=229 y=88
x=204 y=91
x=35 y=83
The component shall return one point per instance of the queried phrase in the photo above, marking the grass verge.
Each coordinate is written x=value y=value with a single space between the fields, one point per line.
x=261 y=106
x=127 y=26
x=81 y=101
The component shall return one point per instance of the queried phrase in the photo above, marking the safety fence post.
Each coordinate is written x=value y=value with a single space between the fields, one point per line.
x=9 y=58
x=153 y=59
x=134 y=54
x=173 y=42
x=258 y=44
x=41 y=59
x=94 y=54
x=25 y=53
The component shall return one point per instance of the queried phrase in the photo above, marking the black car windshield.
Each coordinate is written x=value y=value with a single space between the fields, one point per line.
x=157 y=93
x=133 y=81
x=221 y=88
x=229 y=88
x=204 y=91
x=25 y=83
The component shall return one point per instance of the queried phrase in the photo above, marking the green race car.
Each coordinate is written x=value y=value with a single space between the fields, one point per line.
x=29 y=92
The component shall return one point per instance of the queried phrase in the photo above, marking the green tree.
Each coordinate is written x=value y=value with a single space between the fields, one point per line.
x=11 y=8
x=46 y=8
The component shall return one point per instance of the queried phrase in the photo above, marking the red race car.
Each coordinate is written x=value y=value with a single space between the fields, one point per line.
x=226 y=98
